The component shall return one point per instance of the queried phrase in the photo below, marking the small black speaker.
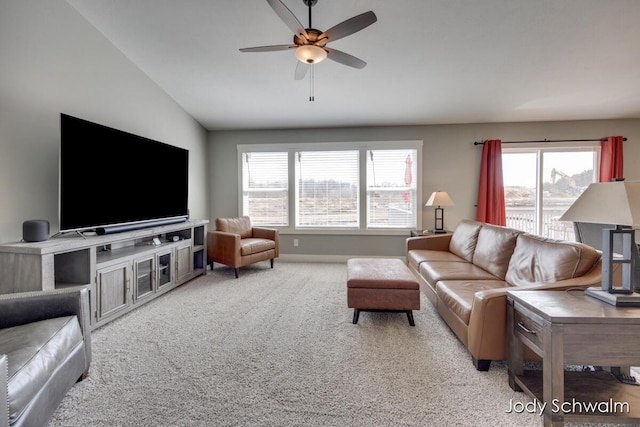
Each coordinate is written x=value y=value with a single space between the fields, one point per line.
x=35 y=230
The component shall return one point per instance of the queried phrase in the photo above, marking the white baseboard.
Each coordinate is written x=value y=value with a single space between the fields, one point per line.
x=327 y=258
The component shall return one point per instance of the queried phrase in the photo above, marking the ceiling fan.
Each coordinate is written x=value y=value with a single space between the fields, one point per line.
x=310 y=44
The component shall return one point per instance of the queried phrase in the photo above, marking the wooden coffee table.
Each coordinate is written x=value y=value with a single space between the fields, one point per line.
x=570 y=328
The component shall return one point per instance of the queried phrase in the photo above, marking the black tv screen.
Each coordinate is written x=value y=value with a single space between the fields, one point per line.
x=109 y=177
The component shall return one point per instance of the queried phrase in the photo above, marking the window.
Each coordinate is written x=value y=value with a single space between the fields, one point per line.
x=355 y=187
x=265 y=193
x=540 y=185
x=327 y=186
x=391 y=188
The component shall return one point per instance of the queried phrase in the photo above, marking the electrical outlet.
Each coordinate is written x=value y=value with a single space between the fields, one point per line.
x=295 y=242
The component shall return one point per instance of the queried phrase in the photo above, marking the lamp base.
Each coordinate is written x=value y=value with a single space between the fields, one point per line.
x=436 y=231
x=619 y=300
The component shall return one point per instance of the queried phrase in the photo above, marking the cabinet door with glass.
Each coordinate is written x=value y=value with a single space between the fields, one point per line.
x=143 y=274
x=164 y=269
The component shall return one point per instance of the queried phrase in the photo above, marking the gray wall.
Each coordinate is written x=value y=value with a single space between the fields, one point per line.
x=450 y=162
x=52 y=61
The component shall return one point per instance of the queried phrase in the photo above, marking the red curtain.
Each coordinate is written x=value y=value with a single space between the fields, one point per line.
x=491 y=205
x=611 y=159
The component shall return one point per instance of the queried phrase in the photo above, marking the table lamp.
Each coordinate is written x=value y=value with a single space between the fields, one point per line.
x=439 y=198
x=613 y=203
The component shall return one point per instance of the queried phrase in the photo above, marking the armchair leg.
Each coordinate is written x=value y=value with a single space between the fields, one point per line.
x=237 y=272
x=271 y=262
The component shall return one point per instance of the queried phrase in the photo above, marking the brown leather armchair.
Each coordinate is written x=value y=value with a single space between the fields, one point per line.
x=236 y=243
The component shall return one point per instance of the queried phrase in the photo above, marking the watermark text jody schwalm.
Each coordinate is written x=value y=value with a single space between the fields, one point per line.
x=568 y=407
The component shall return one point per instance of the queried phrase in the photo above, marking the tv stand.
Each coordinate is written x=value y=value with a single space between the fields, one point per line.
x=121 y=270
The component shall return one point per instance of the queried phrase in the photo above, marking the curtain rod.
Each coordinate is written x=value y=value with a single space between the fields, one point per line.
x=546 y=141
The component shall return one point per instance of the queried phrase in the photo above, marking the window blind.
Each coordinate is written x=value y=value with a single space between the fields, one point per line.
x=391 y=188
x=265 y=188
x=327 y=188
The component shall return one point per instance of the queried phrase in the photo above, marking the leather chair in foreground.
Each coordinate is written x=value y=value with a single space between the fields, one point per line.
x=236 y=243
x=45 y=348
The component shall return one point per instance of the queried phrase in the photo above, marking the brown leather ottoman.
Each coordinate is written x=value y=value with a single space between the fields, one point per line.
x=380 y=284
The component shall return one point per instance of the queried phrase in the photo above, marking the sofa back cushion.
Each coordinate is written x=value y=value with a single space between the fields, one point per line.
x=494 y=249
x=540 y=260
x=464 y=239
x=240 y=225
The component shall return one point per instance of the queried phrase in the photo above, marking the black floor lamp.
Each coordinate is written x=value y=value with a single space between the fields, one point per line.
x=613 y=203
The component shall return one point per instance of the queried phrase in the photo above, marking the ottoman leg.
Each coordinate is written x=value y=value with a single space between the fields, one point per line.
x=410 y=317
x=356 y=314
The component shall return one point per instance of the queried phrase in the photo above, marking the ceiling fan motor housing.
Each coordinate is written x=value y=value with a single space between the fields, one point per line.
x=314 y=38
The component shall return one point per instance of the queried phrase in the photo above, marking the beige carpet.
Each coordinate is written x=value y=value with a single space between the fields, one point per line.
x=277 y=348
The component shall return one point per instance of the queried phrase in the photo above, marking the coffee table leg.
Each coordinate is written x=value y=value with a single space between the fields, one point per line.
x=356 y=314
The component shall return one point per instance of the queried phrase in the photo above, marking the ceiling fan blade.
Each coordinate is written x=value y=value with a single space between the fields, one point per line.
x=268 y=48
x=344 y=58
x=288 y=18
x=350 y=26
x=301 y=70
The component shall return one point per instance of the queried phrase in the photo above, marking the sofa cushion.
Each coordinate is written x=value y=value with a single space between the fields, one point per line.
x=434 y=271
x=464 y=239
x=240 y=225
x=458 y=295
x=35 y=350
x=541 y=260
x=494 y=249
x=251 y=246
x=416 y=257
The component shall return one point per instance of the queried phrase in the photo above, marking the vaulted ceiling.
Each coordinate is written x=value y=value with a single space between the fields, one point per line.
x=428 y=61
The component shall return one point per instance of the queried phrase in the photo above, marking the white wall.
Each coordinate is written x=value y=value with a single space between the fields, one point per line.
x=450 y=162
x=53 y=61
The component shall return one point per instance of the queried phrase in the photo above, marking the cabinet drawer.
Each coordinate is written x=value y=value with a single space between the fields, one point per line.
x=529 y=327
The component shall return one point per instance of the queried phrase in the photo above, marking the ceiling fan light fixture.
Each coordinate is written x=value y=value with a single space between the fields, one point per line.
x=310 y=54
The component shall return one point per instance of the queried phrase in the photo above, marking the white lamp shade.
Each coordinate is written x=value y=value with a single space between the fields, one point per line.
x=310 y=54
x=607 y=203
x=439 y=198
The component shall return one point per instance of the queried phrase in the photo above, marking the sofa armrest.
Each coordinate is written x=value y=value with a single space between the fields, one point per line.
x=436 y=242
x=486 y=335
x=223 y=247
x=4 y=393
x=27 y=307
x=488 y=322
x=268 y=233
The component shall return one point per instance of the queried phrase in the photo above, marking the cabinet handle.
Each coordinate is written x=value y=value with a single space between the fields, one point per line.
x=524 y=328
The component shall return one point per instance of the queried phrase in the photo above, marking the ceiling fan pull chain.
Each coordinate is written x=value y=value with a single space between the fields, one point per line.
x=312 y=97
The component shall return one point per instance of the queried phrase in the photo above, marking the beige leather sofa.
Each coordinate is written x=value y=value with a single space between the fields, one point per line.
x=466 y=275
x=236 y=243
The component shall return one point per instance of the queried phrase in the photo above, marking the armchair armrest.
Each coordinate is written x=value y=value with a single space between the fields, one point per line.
x=268 y=233
x=223 y=247
x=436 y=242
x=4 y=380
x=27 y=307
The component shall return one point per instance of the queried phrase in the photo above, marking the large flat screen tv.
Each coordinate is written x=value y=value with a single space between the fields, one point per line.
x=111 y=180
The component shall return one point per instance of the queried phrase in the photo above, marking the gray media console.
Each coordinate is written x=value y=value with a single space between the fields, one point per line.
x=121 y=270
